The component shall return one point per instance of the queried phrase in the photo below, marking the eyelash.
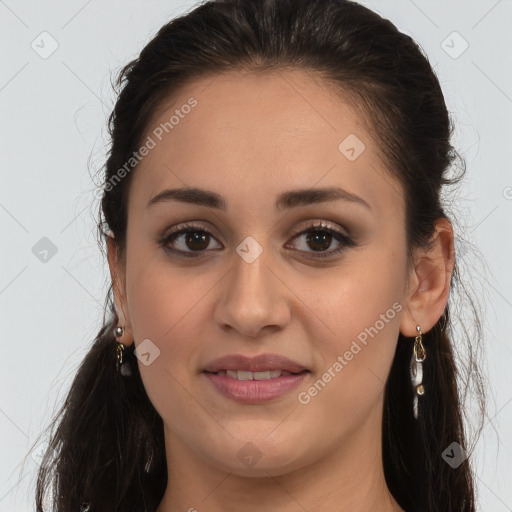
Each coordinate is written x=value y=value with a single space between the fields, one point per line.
x=318 y=227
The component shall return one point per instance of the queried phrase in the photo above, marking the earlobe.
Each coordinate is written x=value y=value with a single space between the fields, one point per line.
x=432 y=277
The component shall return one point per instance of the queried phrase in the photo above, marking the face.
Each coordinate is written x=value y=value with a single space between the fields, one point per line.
x=320 y=282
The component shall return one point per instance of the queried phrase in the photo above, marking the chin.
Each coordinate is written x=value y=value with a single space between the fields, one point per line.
x=261 y=457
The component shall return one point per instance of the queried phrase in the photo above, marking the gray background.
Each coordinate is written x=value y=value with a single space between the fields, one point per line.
x=53 y=113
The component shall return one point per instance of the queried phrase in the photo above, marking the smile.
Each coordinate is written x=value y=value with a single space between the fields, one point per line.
x=248 y=375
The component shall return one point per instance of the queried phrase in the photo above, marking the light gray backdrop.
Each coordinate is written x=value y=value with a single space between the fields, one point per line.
x=55 y=95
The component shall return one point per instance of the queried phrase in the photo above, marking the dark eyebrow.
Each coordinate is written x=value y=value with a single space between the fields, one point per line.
x=286 y=200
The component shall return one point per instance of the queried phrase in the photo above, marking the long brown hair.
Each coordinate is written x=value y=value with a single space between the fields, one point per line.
x=107 y=441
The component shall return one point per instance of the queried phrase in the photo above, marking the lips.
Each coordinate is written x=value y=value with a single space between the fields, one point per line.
x=256 y=364
x=254 y=380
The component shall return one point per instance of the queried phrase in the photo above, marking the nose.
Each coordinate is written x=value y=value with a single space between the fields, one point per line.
x=253 y=297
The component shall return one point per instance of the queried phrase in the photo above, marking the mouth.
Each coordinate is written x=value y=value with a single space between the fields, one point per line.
x=254 y=379
x=248 y=375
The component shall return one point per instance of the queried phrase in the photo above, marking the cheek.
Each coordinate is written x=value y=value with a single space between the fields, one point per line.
x=355 y=364
x=169 y=307
x=163 y=299
x=166 y=308
x=361 y=311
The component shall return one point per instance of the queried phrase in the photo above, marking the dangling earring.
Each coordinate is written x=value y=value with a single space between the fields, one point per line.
x=416 y=370
x=122 y=365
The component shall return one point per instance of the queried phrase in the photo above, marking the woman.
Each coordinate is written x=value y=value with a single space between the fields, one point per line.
x=282 y=263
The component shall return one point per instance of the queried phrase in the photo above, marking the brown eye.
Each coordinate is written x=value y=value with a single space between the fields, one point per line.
x=190 y=239
x=197 y=240
x=319 y=238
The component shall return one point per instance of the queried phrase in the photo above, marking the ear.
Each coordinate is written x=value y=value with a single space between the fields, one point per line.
x=117 y=274
x=429 y=282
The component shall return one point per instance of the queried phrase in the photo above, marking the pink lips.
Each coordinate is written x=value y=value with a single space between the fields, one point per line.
x=254 y=391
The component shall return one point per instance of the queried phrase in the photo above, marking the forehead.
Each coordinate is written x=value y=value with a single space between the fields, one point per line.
x=256 y=134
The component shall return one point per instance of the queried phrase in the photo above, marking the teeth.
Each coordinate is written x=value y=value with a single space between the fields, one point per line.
x=244 y=375
x=247 y=375
x=262 y=375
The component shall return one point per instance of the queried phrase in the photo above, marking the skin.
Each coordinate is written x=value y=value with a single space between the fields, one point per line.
x=250 y=137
